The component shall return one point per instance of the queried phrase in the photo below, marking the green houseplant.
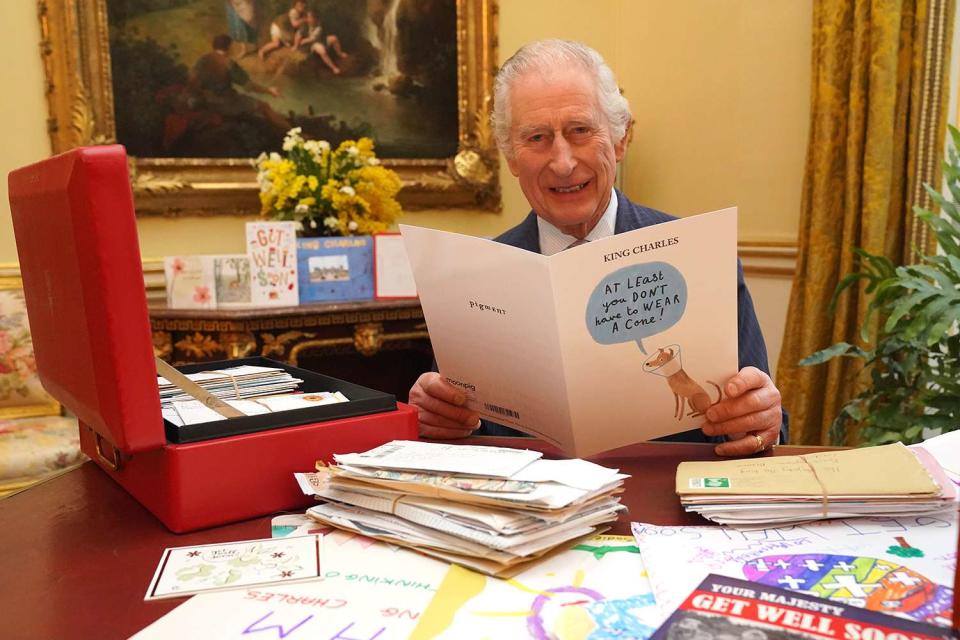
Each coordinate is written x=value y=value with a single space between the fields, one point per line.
x=914 y=366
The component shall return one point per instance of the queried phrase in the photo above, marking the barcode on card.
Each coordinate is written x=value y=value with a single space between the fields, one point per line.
x=503 y=411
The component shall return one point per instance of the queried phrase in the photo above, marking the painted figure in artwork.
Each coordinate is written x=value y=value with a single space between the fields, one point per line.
x=214 y=81
x=322 y=45
x=287 y=29
x=242 y=23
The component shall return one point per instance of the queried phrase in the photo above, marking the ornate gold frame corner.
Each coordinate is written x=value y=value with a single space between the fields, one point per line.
x=76 y=58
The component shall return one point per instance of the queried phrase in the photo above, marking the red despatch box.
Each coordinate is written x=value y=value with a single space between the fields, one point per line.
x=76 y=236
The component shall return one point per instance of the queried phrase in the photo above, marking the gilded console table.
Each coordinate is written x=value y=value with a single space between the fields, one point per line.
x=380 y=344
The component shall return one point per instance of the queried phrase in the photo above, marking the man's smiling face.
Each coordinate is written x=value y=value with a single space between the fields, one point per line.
x=563 y=153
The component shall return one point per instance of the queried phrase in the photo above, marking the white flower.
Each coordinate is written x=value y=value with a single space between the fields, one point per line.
x=261 y=158
x=292 y=139
x=301 y=209
x=275 y=156
x=373 y=161
x=313 y=223
x=313 y=146
x=331 y=221
x=353 y=150
x=347 y=189
x=263 y=179
x=352 y=225
x=324 y=145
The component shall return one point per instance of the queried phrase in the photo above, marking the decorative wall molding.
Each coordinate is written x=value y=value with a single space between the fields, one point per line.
x=768 y=258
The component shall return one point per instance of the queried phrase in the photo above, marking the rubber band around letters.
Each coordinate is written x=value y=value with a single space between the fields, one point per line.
x=394 y=503
x=233 y=379
x=823 y=487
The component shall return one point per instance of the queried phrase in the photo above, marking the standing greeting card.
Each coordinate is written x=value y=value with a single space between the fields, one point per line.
x=190 y=282
x=232 y=276
x=333 y=269
x=272 y=247
x=392 y=275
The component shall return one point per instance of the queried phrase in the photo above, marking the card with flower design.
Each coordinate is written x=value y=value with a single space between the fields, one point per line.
x=272 y=247
x=218 y=567
x=190 y=282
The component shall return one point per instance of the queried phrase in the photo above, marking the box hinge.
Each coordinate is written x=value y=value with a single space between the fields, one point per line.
x=114 y=460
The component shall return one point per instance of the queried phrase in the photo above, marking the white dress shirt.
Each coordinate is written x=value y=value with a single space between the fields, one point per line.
x=552 y=240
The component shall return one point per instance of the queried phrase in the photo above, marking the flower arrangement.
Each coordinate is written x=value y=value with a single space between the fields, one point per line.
x=330 y=192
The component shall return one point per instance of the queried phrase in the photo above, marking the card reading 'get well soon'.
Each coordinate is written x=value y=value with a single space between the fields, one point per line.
x=185 y=571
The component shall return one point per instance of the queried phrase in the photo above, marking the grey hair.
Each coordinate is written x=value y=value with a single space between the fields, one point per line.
x=544 y=55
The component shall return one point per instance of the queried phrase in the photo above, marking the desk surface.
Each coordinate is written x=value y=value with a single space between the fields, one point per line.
x=77 y=552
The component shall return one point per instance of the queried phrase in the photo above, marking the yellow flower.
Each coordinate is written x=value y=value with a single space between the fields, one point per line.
x=344 y=191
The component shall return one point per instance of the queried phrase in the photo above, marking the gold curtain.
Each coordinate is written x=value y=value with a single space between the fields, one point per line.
x=875 y=67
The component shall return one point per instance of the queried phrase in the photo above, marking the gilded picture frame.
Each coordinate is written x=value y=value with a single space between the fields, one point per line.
x=76 y=56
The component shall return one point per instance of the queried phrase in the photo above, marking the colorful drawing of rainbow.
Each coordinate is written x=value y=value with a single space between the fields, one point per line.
x=878 y=585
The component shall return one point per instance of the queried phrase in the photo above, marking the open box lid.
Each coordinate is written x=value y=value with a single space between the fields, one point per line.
x=76 y=235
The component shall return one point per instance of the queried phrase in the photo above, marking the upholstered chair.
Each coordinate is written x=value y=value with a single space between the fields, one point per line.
x=36 y=440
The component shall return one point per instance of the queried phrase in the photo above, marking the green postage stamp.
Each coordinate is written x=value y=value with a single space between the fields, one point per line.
x=709 y=483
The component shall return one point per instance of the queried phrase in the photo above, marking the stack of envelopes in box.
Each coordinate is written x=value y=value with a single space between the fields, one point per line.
x=490 y=509
x=232 y=383
x=889 y=480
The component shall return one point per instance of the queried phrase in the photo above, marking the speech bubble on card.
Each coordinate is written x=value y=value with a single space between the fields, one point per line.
x=636 y=302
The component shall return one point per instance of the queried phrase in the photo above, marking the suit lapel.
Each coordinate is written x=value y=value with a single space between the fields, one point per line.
x=528 y=234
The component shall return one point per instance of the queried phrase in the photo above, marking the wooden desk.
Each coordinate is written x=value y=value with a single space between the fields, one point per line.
x=77 y=552
x=383 y=345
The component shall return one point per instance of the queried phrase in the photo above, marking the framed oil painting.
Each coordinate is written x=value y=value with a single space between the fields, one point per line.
x=195 y=89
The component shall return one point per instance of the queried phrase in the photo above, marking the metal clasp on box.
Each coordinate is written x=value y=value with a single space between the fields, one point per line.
x=114 y=461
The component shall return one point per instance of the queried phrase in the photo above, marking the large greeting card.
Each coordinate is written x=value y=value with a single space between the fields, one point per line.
x=272 y=247
x=610 y=343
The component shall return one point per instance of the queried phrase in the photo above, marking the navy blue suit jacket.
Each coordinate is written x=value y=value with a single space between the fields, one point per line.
x=752 y=349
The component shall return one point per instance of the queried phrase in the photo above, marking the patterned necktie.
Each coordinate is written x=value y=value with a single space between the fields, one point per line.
x=577 y=243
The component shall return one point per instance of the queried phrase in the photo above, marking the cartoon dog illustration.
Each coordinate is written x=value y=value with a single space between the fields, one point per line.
x=686 y=392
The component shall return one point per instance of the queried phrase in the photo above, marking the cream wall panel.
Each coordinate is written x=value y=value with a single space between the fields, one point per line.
x=769 y=270
x=720 y=93
x=23 y=109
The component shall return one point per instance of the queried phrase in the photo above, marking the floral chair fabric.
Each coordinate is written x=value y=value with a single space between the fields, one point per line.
x=20 y=390
x=35 y=440
x=33 y=448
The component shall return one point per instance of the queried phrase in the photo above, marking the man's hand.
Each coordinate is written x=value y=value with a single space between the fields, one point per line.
x=273 y=91
x=750 y=410
x=440 y=407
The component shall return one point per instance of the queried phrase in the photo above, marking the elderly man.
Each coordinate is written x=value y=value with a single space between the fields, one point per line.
x=562 y=123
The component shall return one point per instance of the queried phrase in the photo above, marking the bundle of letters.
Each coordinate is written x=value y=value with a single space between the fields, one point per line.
x=236 y=385
x=491 y=509
x=888 y=480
